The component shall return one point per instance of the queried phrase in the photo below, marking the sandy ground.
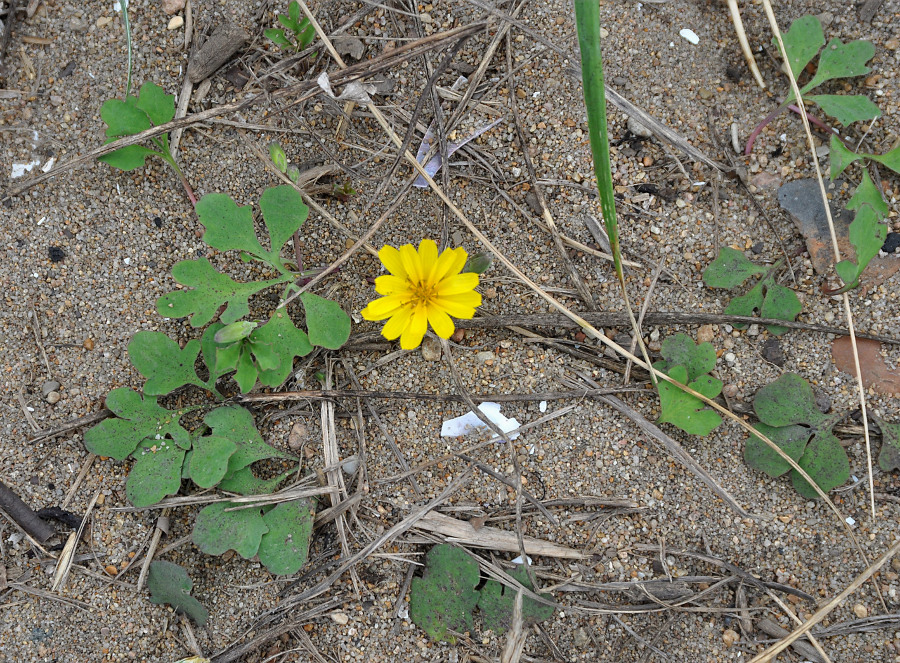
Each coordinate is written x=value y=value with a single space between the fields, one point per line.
x=121 y=233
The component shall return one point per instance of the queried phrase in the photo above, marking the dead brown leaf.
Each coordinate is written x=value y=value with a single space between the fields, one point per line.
x=875 y=372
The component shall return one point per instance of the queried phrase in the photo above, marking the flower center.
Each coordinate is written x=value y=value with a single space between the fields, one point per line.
x=422 y=293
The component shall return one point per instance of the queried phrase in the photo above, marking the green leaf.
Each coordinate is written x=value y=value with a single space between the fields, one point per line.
x=840 y=60
x=123 y=118
x=228 y=225
x=165 y=365
x=285 y=547
x=868 y=194
x=498 y=601
x=218 y=530
x=680 y=350
x=159 y=106
x=780 y=303
x=787 y=401
x=294 y=11
x=215 y=356
x=244 y=482
x=846 y=109
x=209 y=460
x=326 y=321
x=841 y=157
x=789 y=416
x=687 y=412
x=283 y=212
x=236 y=424
x=826 y=462
x=802 y=41
x=746 y=304
x=443 y=599
x=156 y=473
x=790 y=439
x=290 y=24
x=890 y=159
x=169 y=583
x=285 y=341
x=128 y=158
x=867 y=235
x=138 y=419
x=730 y=268
x=889 y=457
x=277 y=35
x=210 y=290
x=246 y=372
x=478 y=263
x=305 y=35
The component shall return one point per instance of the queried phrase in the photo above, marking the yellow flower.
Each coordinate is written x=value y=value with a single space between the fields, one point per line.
x=422 y=287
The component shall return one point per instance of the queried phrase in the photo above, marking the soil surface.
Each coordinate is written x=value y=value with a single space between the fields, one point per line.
x=87 y=254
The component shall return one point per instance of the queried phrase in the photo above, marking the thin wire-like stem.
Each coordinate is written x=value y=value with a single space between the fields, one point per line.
x=127 y=24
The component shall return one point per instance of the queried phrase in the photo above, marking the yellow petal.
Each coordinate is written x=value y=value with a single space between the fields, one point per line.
x=428 y=255
x=415 y=331
x=389 y=284
x=397 y=324
x=460 y=306
x=456 y=284
x=411 y=263
x=390 y=258
x=440 y=322
x=381 y=308
x=449 y=262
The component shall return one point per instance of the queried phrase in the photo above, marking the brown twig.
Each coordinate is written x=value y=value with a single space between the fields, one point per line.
x=23 y=515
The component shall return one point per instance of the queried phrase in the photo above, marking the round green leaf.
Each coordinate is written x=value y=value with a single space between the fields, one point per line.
x=209 y=459
x=826 y=462
x=285 y=547
x=444 y=597
x=156 y=473
x=218 y=530
x=326 y=322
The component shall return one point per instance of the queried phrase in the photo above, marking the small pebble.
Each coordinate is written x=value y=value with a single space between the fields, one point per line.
x=705 y=334
x=350 y=465
x=485 y=356
x=299 y=433
x=53 y=397
x=173 y=6
x=340 y=618
x=860 y=611
x=690 y=35
x=88 y=344
x=753 y=330
x=175 y=22
x=431 y=349
x=772 y=352
x=729 y=637
x=730 y=357
x=458 y=336
x=49 y=386
x=638 y=129
x=55 y=254
x=112 y=570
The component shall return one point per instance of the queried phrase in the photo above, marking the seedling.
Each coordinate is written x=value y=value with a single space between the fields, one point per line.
x=731 y=268
x=443 y=600
x=802 y=42
x=789 y=417
x=280 y=161
x=302 y=30
x=152 y=107
x=169 y=583
x=689 y=364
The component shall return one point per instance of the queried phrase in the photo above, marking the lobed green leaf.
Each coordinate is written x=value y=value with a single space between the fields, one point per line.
x=443 y=599
x=156 y=472
x=285 y=547
x=217 y=530
x=169 y=583
x=163 y=363
x=730 y=268
x=326 y=322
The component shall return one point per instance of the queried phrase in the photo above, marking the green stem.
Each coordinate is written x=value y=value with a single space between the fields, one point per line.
x=127 y=24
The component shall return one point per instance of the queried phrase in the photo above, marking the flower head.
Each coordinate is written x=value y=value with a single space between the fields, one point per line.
x=422 y=288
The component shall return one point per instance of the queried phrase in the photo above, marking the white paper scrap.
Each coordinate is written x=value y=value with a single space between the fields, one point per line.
x=518 y=560
x=19 y=169
x=690 y=35
x=470 y=423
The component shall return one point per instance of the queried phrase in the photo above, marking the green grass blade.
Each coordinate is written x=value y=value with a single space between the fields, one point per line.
x=587 y=20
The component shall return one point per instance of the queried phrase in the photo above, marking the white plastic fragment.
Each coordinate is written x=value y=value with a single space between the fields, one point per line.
x=850 y=521
x=47 y=166
x=542 y=406
x=690 y=35
x=518 y=560
x=19 y=169
x=470 y=423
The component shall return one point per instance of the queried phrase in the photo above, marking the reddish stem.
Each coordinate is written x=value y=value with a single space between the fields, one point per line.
x=775 y=113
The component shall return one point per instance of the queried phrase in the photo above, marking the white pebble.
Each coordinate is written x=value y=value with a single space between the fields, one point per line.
x=690 y=35
x=730 y=357
x=175 y=22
